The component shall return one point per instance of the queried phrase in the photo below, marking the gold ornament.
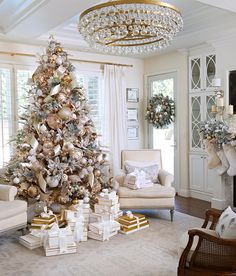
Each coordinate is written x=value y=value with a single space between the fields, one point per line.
x=67 y=78
x=65 y=113
x=58 y=49
x=54 y=121
x=47 y=145
x=75 y=201
x=97 y=173
x=32 y=191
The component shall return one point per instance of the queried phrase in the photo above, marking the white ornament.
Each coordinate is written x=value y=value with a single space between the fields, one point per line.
x=61 y=70
x=86 y=199
x=90 y=169
x=55 y=90
x=84 y=171
x=16 y=180
x=81 y=175
x=39 y=92
x=57 y=150
x=83 y=161
x=64 y=177
x=59 y=60
x=42 y=128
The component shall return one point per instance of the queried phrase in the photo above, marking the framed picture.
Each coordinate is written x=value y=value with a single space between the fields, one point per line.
x=132 y=114
x=132 y=95
x=132 y=132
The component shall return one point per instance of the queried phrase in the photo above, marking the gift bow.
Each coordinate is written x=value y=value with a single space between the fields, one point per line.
x=131 y=215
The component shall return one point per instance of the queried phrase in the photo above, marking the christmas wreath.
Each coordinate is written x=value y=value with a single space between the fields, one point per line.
x=160 y=111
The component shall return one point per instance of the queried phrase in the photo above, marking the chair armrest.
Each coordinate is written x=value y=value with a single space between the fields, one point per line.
x=214 y=216
x=7 y=192
x=165 y=178
x=202 y=236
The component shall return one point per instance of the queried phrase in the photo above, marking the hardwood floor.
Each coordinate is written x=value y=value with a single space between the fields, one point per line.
x=191 y=206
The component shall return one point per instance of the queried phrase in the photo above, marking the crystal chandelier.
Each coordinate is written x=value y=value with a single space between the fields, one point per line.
x=131 y=26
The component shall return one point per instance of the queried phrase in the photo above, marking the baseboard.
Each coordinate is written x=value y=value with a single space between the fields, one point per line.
x=184 y=193
x=200 y=195
x=218 y=204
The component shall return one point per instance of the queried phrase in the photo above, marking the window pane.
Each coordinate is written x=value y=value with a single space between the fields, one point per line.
x=93 y=89
x=23 y=88
x=5 y=115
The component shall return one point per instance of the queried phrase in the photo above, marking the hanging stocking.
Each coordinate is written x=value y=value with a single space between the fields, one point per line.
x=213 y=160
x=224 y=163
x=230 y=153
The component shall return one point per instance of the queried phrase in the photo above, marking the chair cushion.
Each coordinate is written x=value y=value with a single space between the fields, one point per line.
x=226 y=226
x=12 y=208
x=184 y=241
x=157 y=191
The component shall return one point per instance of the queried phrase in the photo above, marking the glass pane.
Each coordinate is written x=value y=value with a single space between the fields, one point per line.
x=164 y=138
x=196 y=118
x=5 y=115
x=22 y=77
x=196 y=73
x=211 y=69
x=210 y=100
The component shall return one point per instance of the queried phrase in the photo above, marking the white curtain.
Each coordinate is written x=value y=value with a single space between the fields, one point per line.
x=115 y=113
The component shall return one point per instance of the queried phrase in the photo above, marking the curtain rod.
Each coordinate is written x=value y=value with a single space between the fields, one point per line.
x=72 y=59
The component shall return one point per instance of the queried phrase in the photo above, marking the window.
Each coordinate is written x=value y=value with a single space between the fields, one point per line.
x=92 y=83
x=12 y=105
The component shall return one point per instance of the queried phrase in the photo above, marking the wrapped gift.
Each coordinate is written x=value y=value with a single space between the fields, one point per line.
x=101 y=209
x=101 y=237
x=100 y=217
x=59 y=241
x=132 y=222
x=108 y=202
x=105 y=227
x=31 y=241
x=105 y=194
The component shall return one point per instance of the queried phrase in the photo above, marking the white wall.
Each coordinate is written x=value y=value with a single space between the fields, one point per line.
x=134 y=75
x=175 y=62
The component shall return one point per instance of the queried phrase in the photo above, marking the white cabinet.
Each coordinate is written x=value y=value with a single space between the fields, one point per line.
x=200 y=109
x=202 y=70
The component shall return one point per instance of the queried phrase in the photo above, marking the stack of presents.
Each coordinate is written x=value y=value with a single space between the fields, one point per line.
x=60 y=234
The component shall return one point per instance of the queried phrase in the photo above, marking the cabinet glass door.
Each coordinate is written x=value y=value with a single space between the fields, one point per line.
x=210 y=69
x=195 y=121
x=210 y=100
x=195 y=74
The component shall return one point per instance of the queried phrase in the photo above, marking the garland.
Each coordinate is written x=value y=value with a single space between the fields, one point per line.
x=160 y=111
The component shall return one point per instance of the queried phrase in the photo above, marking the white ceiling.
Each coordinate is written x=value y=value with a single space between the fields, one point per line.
x=32 y=21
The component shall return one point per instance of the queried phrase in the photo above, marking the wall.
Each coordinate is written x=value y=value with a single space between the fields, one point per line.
x=175 y=62
x=134 y=75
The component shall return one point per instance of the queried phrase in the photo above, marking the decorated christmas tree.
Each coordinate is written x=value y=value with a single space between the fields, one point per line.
x=57 y=157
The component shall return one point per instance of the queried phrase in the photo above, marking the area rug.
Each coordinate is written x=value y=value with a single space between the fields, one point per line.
x=152 y=251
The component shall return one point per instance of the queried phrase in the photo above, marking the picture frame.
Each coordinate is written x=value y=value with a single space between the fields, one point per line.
x=132 y=114
x=132 y=132
x=132 y=95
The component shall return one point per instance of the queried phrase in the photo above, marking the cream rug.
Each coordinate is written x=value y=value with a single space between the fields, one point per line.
x=152 y=251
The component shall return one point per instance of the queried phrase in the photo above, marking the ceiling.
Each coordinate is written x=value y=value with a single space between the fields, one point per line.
x=32 y=21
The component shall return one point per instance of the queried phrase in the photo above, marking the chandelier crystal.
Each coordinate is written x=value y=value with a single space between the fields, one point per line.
x=131 y=26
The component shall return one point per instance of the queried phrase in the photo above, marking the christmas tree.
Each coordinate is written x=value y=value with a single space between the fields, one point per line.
x=57 y=157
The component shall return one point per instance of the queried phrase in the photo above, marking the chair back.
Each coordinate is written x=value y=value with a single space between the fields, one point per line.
x=144 y=155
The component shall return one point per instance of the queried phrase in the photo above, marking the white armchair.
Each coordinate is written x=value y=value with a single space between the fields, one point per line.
x=160 y=196
x=13 y=213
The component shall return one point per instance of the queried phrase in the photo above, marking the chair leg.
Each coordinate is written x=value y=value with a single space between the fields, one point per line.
x=172 y=214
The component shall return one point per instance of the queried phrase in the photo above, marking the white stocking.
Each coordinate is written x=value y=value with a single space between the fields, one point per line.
x=224 y=163
x=230 y=153
x=213 y=160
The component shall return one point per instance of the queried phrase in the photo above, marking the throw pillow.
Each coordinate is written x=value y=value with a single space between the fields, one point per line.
x=226 y=227
x=150 y=168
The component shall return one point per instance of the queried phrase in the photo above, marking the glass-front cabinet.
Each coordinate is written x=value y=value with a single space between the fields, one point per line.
x=202 y=70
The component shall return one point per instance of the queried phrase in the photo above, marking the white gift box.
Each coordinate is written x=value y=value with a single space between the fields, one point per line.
x=57 y=251
x=30 y=241
x=108 y=202
x=101 y=237
x=99 y=217
x=105 y=226
x=106 y=195
x=100 y=209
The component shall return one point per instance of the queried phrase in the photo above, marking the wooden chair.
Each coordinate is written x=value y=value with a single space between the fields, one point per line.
x=212 y=255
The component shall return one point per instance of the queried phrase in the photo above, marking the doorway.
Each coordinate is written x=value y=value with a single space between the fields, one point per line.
x=164 y=139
